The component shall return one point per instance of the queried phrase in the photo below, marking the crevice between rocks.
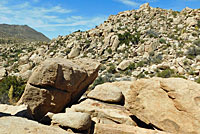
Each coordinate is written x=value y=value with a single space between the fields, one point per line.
x=121 y=103
x=142 y=124
x=47 y=87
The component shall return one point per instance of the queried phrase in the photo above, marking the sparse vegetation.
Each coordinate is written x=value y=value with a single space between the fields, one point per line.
x=166 y=73
x=127 y=37
x=11 y=89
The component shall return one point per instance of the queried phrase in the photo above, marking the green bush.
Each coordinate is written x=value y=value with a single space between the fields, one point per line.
x=166 y=73
x=140 y=64
x=152 y=34
x=111 y=69
x=163 y=41
x=198 y=24
x=127 y=37
x=98 y=81
x=193 y=51
x=198 y=80
x=197 y=42
x=132 y=66
x=11 y=89
x=109 y=50
x=141 y=75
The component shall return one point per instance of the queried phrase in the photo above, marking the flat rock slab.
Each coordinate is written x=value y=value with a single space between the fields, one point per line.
x=21 y=110
x=17 y=125
x=56 y=83
x=106 y=92
x=76 y=120
x=172 y=105
x=123 y=129
x=104 y=113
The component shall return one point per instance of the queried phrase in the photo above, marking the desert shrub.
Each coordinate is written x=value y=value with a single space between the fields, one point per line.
x=156 y=59
x=152 y=33
x=132 y=66
x=162 y=41
x=141 y=75
x=11 y=89
x=192 y=52
x=179 y=53
x=109 y=50
x=127 y=37
x=140 y=64
x=111 y=69
x=178 y=76
x=197 y=42
x=174 y=13
x=198 y=80
x=198 y=24
x=166 y=73
x=98 y=81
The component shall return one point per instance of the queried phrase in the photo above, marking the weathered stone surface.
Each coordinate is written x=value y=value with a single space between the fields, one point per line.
x=115 y=43
x=104 y=113
x=123 y=129
x=106 y=92
x=17 y=125
x=76 y=120
x=2 y=72
x=74 y=52
x=56 y=83
x=170 y=104
x=124 y=64
x=22 y=110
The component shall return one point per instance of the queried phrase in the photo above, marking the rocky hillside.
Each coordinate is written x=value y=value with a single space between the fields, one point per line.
x=132 y=44
x=19 y=33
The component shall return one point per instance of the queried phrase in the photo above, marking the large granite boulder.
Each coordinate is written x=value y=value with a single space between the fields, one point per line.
x=171 y=105
x=56 y=83
x=17 y=125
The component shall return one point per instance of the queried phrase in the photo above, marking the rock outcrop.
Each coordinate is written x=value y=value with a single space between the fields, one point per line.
x=171 y=105
x=57 y=83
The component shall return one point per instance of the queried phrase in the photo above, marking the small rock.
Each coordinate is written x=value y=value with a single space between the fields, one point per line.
x=76 y=120
x=106 y=92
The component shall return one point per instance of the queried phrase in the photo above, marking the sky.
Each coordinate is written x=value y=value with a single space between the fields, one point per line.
x=62 y=17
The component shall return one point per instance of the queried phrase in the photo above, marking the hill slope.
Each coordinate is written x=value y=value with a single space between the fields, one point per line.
x=20 y=33
x=139 y=43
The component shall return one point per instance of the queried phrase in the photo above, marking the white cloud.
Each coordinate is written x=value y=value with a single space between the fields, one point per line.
x=46 y=19
x=80 y=21
x=24 y=13
x=129 y=3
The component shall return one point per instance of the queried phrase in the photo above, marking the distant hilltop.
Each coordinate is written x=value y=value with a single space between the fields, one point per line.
x=20 y=33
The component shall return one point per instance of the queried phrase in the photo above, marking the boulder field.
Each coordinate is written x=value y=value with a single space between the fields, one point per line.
x=52 y=103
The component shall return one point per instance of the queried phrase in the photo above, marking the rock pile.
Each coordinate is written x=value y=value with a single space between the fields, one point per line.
x=154 y=106
x=147 y=42
x=137 y=43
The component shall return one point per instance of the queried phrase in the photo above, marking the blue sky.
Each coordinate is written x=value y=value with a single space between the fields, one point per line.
x=61 y=17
